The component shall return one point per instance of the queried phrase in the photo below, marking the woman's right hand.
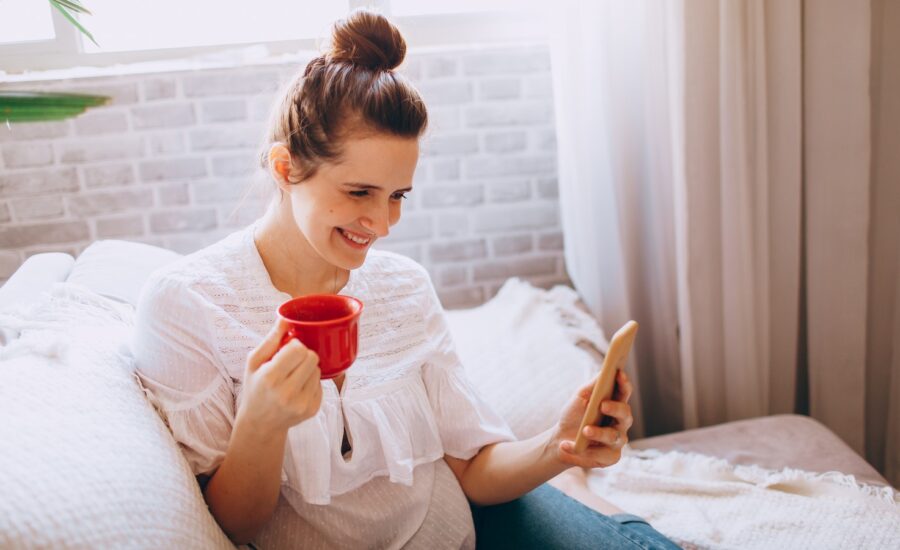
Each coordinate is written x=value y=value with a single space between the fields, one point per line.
x=281 y=386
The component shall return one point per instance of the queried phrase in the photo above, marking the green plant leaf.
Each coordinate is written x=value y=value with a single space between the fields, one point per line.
x=72 y=5
x=63 y=10
x=44 y=106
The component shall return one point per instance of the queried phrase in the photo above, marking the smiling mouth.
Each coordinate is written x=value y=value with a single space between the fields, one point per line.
x=354 y=238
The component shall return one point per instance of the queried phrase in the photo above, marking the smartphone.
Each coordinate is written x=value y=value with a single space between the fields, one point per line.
x=615 y=358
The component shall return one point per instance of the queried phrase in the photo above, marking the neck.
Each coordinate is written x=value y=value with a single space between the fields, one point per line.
x=293 y=265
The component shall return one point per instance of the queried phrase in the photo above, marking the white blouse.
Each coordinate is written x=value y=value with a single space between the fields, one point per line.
x=405 y=402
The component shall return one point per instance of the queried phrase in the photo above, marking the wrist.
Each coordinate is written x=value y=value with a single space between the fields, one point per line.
x=256 y=431
x=550 y=451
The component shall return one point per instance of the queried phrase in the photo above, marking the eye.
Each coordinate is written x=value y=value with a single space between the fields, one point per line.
x=399 y=196
x=361 y=193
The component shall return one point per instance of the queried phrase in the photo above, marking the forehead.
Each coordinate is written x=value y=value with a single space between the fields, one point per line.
x=378 y=159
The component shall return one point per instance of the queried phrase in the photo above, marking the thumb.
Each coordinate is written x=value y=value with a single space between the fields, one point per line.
x=269 y=346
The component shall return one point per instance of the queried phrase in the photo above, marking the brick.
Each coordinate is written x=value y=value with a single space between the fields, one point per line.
x=34 y=130
x=242 y=213
x=116 y=227
x=161 y=145
x=108 y=175
x=547 y=188
x=453 y=275
x=516 y=218
x=183 y=220
x=499 y=88
x=173 y=115
x=508 y=191
x=235 y=165
x=525 y=267
x=100 y=149
x=101 y=121
x=538 y=87
x=43 y=233
x=38 y=182
x=226 y=138
x=73 y=250
x=450 y=145
x=261 y=108
x=223 y=110
x=231 y=83
x=446 y=93
x=508 y=114
x=172 y=169
x=551 y=241
x=460 y=298
x=545 y=140
x=412 y=67
x=511 y=62
x=38 y=208
x=440 y=67
x=218 y=192
x=412 y=227
x=4 y=213
x=453 y=225
x=186 y=244
x=510 y=245
x=443 y=119
x=445 y=170
x=90 y=204
x=452 y=194
x=444 y=252
x=505 y=142
x=27 y=155
x=159 y=88
x=119 y=93
x=9 y=263
x=410 y=250
x=509 y=166
x=172 y=194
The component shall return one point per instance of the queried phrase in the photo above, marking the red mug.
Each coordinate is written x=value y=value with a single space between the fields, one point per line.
x=328 y=324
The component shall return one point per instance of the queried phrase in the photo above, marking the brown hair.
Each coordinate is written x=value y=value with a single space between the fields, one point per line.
x=351 y=88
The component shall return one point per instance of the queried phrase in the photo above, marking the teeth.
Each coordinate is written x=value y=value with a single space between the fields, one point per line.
x=354 y=238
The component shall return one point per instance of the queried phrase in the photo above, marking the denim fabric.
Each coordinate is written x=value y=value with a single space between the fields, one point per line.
x=547 y=518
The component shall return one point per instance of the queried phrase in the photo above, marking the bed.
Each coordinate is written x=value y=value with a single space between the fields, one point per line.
x=86 y=461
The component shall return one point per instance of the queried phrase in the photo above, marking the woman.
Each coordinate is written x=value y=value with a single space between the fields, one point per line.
x=392 y=453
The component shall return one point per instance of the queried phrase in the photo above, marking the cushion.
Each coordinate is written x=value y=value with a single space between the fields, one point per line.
x=117 y=269
x=85 y=461
x=31 y=279
x=527 y=351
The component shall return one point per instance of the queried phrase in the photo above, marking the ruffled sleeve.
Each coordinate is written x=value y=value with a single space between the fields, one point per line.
x=466 y=423
x=178 y=367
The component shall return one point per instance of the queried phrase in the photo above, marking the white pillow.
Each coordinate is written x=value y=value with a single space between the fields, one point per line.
x=118 y=269
x=527 y=351
x=32 y=278
x=85 y=461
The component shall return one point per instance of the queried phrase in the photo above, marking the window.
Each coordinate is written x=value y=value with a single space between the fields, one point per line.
x=134 y=31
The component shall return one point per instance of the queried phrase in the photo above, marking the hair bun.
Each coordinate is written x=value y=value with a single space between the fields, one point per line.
x=367 y=39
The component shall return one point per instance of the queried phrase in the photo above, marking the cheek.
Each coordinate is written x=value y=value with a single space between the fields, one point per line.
x=394 y=214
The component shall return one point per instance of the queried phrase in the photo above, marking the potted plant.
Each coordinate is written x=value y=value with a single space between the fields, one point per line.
x=25 y=106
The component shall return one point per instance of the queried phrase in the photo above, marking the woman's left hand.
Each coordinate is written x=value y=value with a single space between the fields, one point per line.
x=605 y=443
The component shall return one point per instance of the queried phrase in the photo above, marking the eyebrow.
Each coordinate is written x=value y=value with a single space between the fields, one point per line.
x=371 y=186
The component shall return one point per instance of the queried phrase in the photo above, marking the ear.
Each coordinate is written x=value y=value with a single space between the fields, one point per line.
x=280 y=164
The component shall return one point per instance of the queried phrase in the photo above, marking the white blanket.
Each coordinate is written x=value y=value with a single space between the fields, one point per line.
x=705 y=502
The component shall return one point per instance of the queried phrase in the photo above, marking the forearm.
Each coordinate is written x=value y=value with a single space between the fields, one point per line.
x=243 y=492
x=505 y=471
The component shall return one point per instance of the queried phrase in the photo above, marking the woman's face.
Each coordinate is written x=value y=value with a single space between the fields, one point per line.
x=346 y=206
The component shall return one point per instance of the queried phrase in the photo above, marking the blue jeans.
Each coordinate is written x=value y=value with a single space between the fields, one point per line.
x=547 y=518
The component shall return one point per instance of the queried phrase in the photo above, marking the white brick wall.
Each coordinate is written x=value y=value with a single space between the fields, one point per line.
x=168 y=160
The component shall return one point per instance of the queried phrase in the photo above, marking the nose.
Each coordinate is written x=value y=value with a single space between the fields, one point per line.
x=377 y=221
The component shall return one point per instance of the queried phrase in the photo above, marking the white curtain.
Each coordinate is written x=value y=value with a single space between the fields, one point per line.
x=709 y=193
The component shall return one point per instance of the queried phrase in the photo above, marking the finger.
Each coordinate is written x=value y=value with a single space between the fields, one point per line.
x=624 y=388
x=609 y=437
x=306 y=372
x=616 y=409
x=585 y=391
x=269 y=346
x=592 y=457
x=285 y=361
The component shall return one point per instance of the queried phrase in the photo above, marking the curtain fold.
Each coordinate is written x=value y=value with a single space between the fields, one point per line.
x=715 y=186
